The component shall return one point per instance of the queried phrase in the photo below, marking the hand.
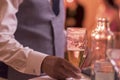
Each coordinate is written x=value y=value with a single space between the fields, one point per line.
x=59 y=68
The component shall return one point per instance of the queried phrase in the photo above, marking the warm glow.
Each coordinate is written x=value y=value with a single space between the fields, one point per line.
x=76 y=54
x=97 y=36
x=69 y=1
x=109 y=37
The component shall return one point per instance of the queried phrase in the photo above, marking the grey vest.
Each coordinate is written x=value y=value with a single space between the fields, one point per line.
x=40 y=29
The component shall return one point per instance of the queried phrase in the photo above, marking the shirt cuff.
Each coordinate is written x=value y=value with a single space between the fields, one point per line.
x=34 y=62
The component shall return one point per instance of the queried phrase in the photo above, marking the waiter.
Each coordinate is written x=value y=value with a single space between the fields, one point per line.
x=31 y=35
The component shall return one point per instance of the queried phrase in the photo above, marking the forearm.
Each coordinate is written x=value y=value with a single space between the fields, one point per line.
x=12 y=53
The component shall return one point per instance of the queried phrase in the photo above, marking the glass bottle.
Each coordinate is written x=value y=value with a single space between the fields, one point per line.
x=95 y=41
x=101 y=39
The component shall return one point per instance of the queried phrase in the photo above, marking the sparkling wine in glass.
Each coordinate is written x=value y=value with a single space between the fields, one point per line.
x=76 y=46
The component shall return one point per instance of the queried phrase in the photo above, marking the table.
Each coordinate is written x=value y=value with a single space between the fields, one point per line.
x=42 y=78
x=49 y=78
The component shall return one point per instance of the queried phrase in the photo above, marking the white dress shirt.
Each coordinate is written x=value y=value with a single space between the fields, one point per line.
x=13 y=53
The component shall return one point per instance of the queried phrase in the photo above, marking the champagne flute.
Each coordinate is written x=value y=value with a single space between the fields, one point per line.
x=113 y=53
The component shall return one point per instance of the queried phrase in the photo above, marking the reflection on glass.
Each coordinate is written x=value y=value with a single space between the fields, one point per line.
x=113 y=53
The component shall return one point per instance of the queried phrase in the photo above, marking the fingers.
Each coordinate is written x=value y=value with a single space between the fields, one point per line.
x=71 y=70
x=59 y=68
x=66 y=69
x=72 y=67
